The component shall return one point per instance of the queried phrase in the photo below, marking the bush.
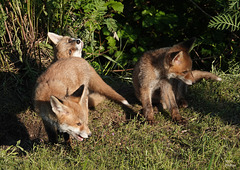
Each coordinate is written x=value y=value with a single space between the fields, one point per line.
x=116 y=33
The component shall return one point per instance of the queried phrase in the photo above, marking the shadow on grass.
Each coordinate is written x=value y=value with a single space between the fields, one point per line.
x=15 y=105
x=206 y=97
x=216 y=100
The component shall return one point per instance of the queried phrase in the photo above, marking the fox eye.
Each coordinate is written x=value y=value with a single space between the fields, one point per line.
x=185 y=72
x=79 y=124
x=70 y=52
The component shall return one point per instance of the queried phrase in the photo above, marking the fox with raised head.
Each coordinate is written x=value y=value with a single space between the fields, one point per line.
x=66 y=47
x=163 y=75
x=61 y=94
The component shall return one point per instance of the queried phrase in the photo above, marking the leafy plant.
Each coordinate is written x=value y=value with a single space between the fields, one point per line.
x=229 y=20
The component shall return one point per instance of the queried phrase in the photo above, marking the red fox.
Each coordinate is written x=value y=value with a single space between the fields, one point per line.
x=66 y=47
x=163 y=75
x=61 y=96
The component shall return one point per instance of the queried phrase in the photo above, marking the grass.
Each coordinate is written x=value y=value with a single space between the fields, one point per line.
x=121 y=140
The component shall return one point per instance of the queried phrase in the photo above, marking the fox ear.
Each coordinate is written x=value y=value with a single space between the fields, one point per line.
x=176 y=57
x=78 y=94
x=186 y=45
x=57 y=107
x=55 y=38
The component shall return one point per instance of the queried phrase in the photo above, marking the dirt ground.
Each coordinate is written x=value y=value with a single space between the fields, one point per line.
x=19 y=121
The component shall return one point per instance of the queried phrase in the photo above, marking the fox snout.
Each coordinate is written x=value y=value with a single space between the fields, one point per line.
x=83 y=134
x=78 y=41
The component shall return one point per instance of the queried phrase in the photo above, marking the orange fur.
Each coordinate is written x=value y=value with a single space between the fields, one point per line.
x=163 y=75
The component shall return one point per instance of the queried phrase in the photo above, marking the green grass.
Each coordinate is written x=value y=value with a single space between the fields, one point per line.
x=210 y=140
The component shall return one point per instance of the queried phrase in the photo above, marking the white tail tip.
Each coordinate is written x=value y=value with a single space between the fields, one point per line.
x=219 y=79
x=125 y=102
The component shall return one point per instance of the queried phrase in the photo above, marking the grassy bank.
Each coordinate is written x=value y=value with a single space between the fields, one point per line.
x=122 y=140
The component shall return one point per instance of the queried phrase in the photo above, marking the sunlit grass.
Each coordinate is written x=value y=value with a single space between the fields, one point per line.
x=210 y=140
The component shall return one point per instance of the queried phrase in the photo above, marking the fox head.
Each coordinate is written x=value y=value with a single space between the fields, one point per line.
x=65 y=46
x=72 y=113
x=180 y=63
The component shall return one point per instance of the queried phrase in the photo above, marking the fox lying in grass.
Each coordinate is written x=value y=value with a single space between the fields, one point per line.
x=61 y=94
x=163 y=75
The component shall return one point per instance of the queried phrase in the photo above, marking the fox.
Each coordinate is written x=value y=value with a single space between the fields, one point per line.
x=66 y=47
x=162 y=76
x=61 y=97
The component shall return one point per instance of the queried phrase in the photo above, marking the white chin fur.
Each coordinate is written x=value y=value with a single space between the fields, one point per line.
x=188 y=82
x=75 y=132
x=77 y=53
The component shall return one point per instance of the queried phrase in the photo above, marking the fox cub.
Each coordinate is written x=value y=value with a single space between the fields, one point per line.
x=163 y=75
x=62 y=92
x=66 y=47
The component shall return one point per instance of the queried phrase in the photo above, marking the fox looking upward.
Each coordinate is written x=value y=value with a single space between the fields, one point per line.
x=164 y=74
x=67 y=47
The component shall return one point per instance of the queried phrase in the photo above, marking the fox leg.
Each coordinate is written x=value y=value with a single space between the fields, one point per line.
x=145 y=98
x=94 y=99
x=67 y=139
x=51 y=131
x=168 y=98
x=198 y=75
x=180 y=90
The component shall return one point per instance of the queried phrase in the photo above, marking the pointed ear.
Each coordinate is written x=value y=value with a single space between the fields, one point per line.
x=77 y=95
x=55 y=38
x=176 y=57
x=57 y=107
x=186 y=45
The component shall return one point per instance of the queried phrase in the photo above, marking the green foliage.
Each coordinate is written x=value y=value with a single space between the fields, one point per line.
x=229 y=20
x=94 y=23
x=115 y=37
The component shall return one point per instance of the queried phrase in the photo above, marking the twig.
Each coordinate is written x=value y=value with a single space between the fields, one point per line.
x=130 y=69
x=6 y=27
x=200 y=9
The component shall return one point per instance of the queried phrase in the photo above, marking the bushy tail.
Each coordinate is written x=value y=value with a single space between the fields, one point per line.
x=198 y=75
x=97 y=85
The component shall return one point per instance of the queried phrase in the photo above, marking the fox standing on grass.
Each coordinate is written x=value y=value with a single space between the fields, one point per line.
x=163 y=75
x=61 y=94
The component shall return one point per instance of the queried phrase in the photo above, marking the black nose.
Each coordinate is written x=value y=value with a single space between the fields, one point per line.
x=78 y=41
x=89 y=135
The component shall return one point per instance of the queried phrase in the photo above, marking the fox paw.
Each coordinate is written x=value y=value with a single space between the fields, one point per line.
x=179 y=119
x=182 y=103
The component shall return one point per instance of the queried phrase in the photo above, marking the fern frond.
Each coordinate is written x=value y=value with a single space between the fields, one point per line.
x=225 y=21
x=233 y=5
